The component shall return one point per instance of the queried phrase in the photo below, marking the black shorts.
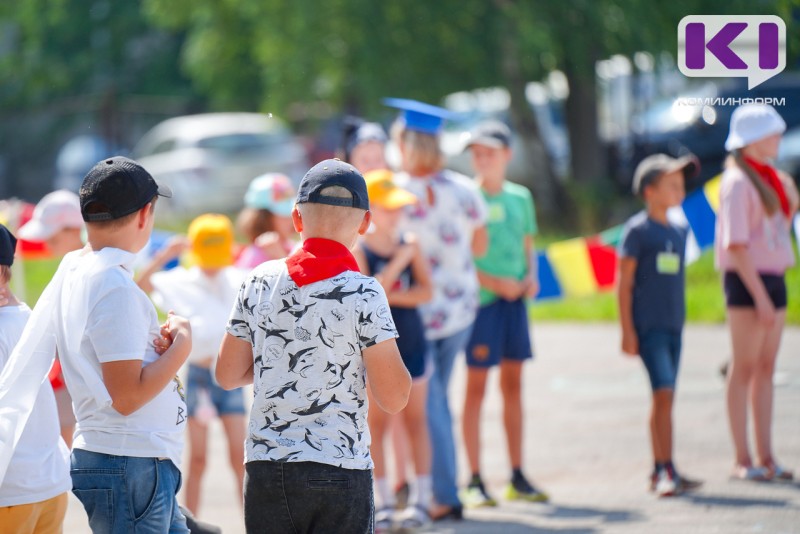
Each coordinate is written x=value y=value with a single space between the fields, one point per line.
x=737 y=295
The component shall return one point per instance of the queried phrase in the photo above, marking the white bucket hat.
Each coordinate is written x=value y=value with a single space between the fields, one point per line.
x=751 y=123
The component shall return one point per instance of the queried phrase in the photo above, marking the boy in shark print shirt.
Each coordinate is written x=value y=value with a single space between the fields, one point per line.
x=307 y=332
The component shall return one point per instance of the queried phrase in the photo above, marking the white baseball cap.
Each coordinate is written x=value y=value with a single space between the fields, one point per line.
x=751 y=123
x=56 y=211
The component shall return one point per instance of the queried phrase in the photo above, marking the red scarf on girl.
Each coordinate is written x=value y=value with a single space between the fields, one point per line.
x=319 y=259
x=770 y=176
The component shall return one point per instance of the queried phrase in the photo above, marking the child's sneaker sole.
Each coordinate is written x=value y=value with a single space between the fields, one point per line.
x=512 y=494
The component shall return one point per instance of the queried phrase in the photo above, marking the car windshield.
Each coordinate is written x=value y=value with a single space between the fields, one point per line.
x=239 y=142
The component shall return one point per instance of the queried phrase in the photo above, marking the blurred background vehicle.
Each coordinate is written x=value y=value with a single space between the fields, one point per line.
x=77 y=156
x=209 y=159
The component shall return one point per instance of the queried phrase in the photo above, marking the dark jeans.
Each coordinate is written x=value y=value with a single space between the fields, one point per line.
x=299 y=497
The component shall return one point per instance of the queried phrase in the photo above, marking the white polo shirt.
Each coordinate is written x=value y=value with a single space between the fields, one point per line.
x=39 y=468
x=104 y=317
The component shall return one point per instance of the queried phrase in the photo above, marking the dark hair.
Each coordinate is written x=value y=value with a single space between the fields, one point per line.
x=252 y=222
x=98 y=207
x=350 y=128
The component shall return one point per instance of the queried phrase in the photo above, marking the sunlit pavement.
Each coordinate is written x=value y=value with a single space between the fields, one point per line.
x=587 y=445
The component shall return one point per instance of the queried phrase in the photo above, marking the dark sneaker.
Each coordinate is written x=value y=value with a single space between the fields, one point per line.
x=522 y=490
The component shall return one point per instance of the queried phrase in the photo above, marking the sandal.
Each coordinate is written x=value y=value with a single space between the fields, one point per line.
x=777 y=472
x=749 y=472
x=383 y=520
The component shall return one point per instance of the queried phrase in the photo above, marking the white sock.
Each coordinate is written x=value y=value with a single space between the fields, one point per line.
x=420 y=491
x=384 y=497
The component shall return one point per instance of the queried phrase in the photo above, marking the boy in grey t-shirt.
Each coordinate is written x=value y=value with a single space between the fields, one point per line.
x=651 y=300
x=307 y=332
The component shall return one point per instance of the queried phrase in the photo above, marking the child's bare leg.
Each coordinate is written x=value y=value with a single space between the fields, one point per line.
x=234 y=426
x=198 y=438
x=400 y=447
x=476 y=387
x=661 y=425
x=511 y=387
x=747 y=338
x=762 y=392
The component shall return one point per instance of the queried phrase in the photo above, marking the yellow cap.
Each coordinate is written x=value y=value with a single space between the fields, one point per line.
x=211 y=241
x=384 y=192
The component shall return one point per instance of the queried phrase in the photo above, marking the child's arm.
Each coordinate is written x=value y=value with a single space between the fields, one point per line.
x=174 y=248
x=422 y=290
x=131 y=386
x=505 y=288
x=627 y=272
x=234 y=363
x=387 y=376
x=743 y=264
x=531 y=280
x=480 y=242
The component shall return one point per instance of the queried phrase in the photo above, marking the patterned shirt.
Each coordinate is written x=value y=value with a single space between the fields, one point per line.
x=444 y=228
x=309 y=398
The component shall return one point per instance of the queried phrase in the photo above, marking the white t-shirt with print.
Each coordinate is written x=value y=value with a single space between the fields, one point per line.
x=121 y=325
x=205 y=301
x=444 y=229
x=309 y=398
x=39 y=469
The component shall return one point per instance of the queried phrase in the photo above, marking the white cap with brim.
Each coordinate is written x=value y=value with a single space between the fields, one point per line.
x=751 y=123
x=56 y=211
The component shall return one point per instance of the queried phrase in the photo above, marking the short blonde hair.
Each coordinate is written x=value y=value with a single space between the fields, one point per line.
x=421 y=152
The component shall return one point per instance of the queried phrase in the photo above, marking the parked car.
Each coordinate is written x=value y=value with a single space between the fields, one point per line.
x=689 y=123
x=209 y=159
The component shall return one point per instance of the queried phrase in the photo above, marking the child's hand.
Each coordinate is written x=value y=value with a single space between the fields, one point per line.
x=175 y=328
x=630 y=343
x=509 y=289
x=270 y=244
x=530 y=287
x=174 y=247
x=765 y=311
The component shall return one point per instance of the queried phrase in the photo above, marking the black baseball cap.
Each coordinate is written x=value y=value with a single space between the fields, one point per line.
x=118 y=186
x=491 y=133
x=651 y=167
x=332 y=172
x=8 y=244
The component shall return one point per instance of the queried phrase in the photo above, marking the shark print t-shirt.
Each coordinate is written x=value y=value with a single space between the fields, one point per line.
x=309 y=396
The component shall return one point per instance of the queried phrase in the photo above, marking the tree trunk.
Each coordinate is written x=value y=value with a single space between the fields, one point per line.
x=588 y=158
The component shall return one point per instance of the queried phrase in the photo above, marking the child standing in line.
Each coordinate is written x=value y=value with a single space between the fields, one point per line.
x=396 y=261
x=204 y=294
x=266 y=220
x=58 y=223
x=500 y=335
x=33 y=493
x=364 y=145
x=753 y=251
x=120 y=366
x=651 y=300
x=308 y=332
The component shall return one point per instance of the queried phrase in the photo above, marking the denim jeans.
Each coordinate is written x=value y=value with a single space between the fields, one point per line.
x=440 y=423
x=125 y=494
x=299 y=497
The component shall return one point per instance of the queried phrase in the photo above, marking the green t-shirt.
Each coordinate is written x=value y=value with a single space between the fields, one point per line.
x=511 y=217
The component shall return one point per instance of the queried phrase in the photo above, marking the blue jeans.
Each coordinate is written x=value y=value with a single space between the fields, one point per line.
x=440 y=423
x=124 y=494
x=660 y=350
x=299 y=497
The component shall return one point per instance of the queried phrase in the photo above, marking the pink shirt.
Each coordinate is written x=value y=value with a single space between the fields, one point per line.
x=742 y=220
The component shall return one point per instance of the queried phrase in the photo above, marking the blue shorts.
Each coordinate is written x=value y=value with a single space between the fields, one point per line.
x=661 y=353
x=225 y=402
x=500 y=331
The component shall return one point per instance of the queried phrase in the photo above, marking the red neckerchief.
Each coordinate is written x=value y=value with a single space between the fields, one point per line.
x=319 y=259
x=770 y=176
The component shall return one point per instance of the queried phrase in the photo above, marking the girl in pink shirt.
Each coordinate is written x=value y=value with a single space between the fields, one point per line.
x=753 y=250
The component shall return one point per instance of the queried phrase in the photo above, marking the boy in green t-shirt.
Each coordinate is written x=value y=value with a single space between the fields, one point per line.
x=500 y=335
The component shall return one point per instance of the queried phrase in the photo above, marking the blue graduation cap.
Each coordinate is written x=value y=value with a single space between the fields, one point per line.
x=420 y=116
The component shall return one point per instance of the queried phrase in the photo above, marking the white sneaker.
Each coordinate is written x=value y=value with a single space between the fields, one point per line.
x=413 y=517
x=384 y=520
x=666 y=486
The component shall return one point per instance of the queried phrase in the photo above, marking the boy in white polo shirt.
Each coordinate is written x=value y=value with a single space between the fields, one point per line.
x=33 y=492
x=119 y=365
x=308 y=332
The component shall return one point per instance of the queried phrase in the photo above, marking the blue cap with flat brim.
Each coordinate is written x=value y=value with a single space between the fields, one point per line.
x=420 y=116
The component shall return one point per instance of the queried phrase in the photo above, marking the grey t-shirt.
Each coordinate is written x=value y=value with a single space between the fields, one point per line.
x=658 y=292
